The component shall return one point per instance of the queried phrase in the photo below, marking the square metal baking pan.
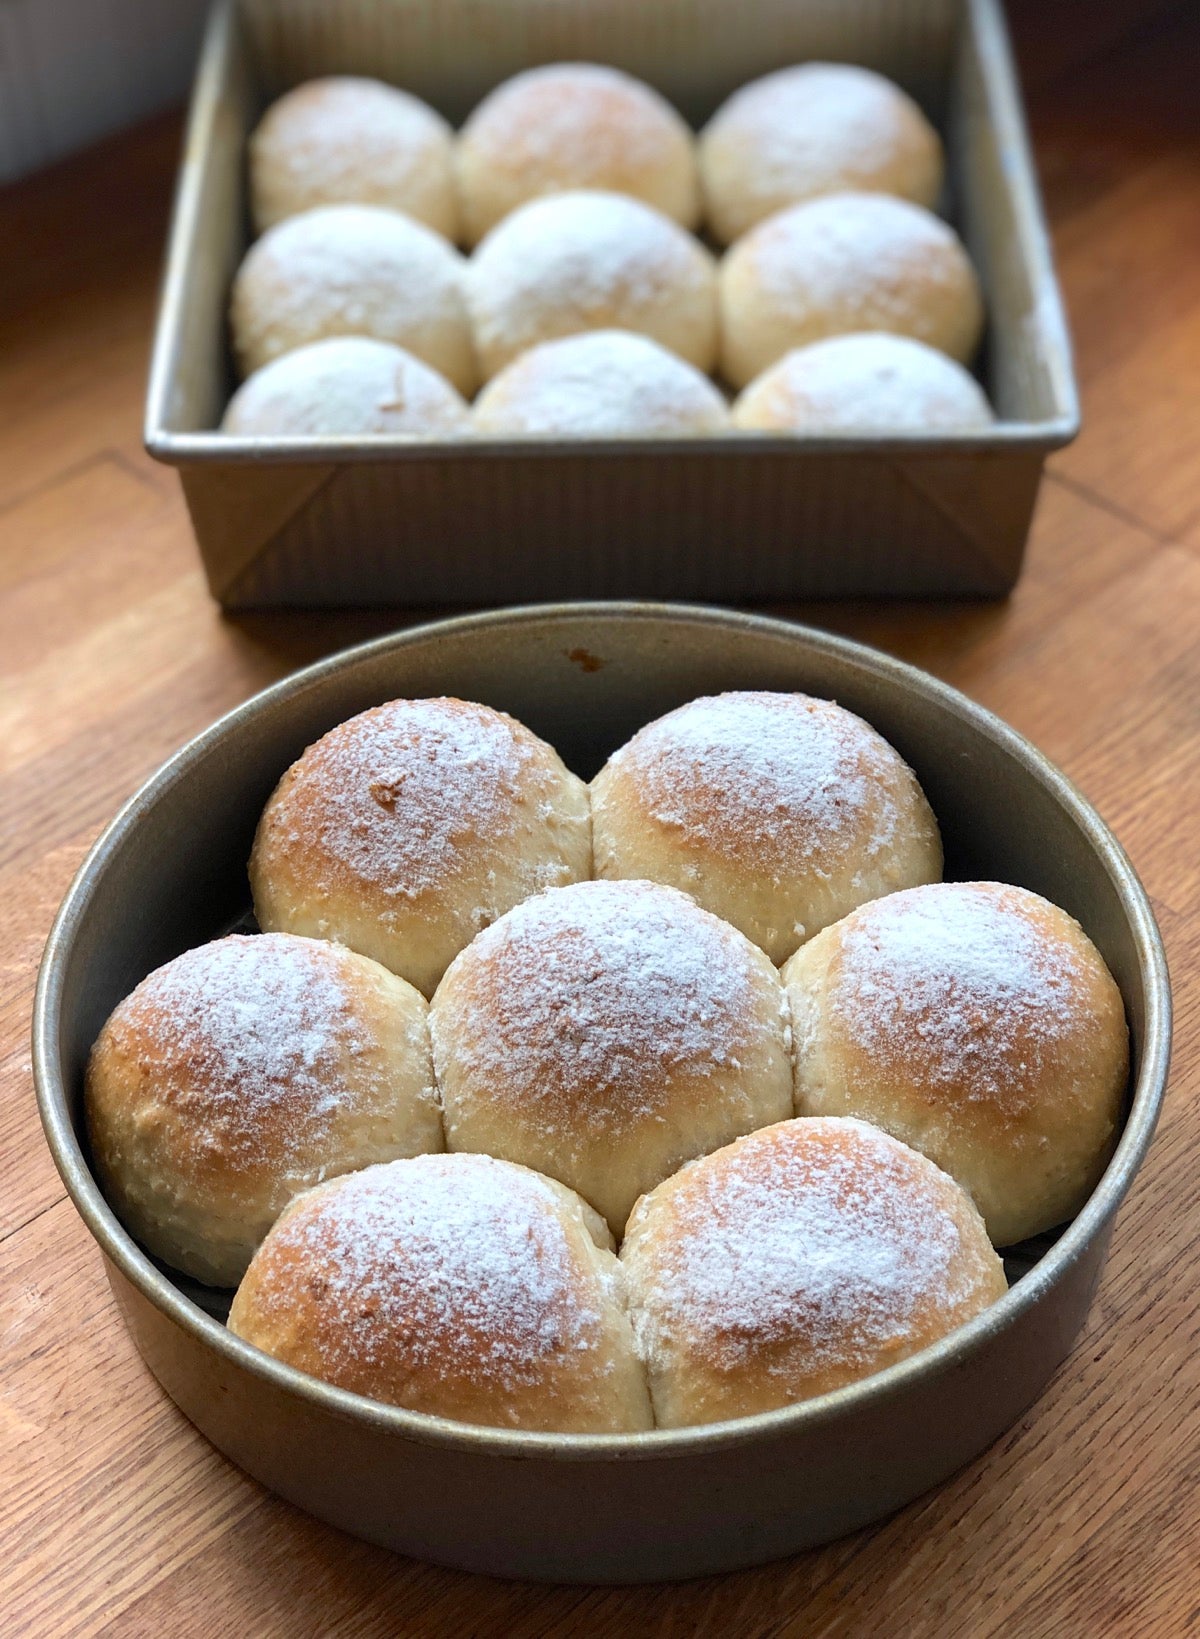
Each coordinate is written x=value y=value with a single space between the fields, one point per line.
x=745 y=516
x=170 y=872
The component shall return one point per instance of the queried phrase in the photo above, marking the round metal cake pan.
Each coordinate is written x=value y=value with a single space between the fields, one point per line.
x=170 y=872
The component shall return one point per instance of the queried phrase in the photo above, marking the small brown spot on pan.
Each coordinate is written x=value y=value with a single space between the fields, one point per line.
x=586 y=660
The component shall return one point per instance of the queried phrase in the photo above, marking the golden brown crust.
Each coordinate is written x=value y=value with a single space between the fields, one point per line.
x=243 y=1072
x=574 y=125
x=777 y=812
x=799 y=1259
x=606 y=1033
x=977 y=1022
x=406 y=830
x=456 y=1285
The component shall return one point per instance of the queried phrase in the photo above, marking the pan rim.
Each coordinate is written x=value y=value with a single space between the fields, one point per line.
x=764 y=1428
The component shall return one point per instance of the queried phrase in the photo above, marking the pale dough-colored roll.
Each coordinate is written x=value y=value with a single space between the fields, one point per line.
x=353 y=270
x=977 y=1022
x=602 y=384
x=242 y=1073
x=343 y=387
x=845 y=262
x=869 y=383
x=606 y=1033
x=574 y=125
x=798 y=1260
x=454 y=1285
x=591 y=261
x=813 y=129
x=407 y=829
x=778 y=812
x=344 y=140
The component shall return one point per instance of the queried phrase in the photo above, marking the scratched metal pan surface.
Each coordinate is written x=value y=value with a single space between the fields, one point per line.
x=170 y=872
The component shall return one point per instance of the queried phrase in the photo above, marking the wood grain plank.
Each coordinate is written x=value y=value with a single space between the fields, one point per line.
x=83 y=1441
x=1119 y=153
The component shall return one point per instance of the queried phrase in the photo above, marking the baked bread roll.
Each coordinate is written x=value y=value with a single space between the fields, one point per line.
x=870 y=383
x=813 y=129
x=242 y=1073
x=978 y=1023
x=455 y=1285
x=590 y=261
x=404 y=831
x=346 y=386
x=603 y=384
x=802 y=1258
x=574 y=125
x=844 y=263
x=342 y=141
x=606 y=1033
x=353 y=270
x=777 y=812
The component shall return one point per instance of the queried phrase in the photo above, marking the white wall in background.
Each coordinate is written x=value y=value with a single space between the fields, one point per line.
x=70 y=70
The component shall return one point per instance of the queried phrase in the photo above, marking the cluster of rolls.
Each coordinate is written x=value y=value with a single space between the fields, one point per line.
x=589 y=305
x=689 y=1094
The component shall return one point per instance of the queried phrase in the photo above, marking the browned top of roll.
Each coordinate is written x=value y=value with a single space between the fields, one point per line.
x=979 y=996
x=795 y=784
x=796 y=1260
x=241 y=1056
x=457 y=1285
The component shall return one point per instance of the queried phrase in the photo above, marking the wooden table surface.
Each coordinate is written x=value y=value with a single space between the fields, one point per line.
x=115 y=1515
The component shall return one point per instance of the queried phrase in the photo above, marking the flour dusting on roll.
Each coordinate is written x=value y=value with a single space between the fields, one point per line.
x=778 y=812
x=977 y=1022
x=346 y=386
x=869 y=383
x=603 y=384
x=844 y=263
x=455 y=1285
x=242 y=1073
x=353 y=270
x=574 y=125
x=591 y=260
x=802 y=1258
x=345 y=140
x=814 y=128
x=407 y=829
x=606 y=1033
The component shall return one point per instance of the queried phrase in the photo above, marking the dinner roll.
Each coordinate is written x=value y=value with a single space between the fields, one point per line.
x=242 y=1073
x=778 y=812
x=603 y=384
x=802 y=1258
x=346 y=270
x=346 y=386
x=845 y=262
x=604 y=1034
x=343 y=141
x=591 y=261
x=813 y=129
x=866 y=383
x=455 y=1285
x=574 y=125
x=404 y=831
x=978 y=1023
